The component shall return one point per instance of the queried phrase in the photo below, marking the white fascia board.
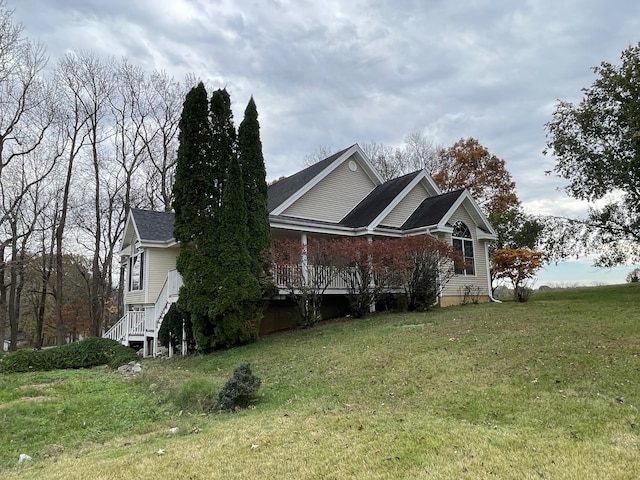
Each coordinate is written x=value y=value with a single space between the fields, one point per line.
x=353 y=150
x=311 y=227
x=372 y=172
x=386 y=232
x=434 y=187
x=469 y=204
x=442 y=228
x=128 y=238
x=158 y=243
x=394 y=203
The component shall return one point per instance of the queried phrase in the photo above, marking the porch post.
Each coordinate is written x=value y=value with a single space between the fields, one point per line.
x=184 y=339
x=145 y=346
x=129 y=324
x=305 y=265
x=372 y=281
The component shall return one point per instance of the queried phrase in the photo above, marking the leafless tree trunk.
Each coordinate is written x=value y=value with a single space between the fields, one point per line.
x=165 y=99
x=26 y=114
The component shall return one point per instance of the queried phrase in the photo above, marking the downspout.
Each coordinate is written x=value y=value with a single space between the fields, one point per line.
x=489 y=290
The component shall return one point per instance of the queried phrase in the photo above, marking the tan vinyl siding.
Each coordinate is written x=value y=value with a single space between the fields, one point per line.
x=334 y=196
x=480 y=279
x=160 y=261
x=157 y=263
x=406 y=207
x=134 y=298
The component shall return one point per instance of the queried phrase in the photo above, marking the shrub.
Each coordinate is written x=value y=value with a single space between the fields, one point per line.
x=172 y=327
x=470 y=294
x=522 y=294
x=196 y=395
x=90 y=352
x=239 y=391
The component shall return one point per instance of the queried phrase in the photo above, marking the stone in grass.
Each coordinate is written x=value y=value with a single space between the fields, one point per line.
x=24 y=458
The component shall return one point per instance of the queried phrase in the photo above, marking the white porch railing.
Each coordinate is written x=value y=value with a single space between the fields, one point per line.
x=168 y=294
x=143 y=323
x=131 y=324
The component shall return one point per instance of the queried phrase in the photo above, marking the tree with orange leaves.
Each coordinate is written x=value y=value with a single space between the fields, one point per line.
x=467 y=164
x=519 y=265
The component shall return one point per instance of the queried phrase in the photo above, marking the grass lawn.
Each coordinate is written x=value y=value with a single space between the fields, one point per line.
x=547 y=389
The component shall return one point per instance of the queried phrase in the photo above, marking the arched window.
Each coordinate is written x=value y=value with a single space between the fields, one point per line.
x=463 y=244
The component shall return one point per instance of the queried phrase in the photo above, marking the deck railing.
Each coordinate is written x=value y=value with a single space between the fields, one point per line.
x=288 y=276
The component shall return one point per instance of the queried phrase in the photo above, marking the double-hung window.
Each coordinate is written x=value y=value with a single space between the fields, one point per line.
x=463 y=245
x=136 y=271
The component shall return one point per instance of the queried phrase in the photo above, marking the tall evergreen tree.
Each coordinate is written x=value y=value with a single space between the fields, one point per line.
x=223 y=138
x=255 y=191
x=237 y=311
x=192 y=188
x=195 y=205
x=221 y=292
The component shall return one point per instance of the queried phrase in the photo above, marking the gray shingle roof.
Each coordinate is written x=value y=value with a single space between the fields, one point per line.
x=280 y=191
x=374 y=203
x=153 y=226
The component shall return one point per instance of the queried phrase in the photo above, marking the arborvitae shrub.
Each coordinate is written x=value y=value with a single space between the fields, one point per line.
x=239 y=391
x=86 y=353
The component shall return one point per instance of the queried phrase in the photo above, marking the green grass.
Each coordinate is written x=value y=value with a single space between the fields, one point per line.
x=547 y=389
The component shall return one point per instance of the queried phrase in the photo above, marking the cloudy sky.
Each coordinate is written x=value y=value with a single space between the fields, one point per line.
x=332 y=73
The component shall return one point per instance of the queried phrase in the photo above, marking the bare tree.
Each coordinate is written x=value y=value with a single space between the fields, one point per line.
x=26 y=114
x=21 y=221
x=390 y=162
x=320 y=153
x=160 y=135
x=421 y=153
x=417 y=153
x=87 y=83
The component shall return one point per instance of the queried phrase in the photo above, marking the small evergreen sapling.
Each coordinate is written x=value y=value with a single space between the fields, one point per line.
x=239 y=391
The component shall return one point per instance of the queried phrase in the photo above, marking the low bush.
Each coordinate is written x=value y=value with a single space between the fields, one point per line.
x=90 y=352
x=196 y=395
x=239 y=391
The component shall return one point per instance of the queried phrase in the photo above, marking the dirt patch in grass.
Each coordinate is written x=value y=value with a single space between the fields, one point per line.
x=38 y=399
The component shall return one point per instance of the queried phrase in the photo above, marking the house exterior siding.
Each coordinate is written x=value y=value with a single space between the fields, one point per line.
x=405 y=208
x=334 y=197
x=157 y=263
x=161 y=260
x=456 y=285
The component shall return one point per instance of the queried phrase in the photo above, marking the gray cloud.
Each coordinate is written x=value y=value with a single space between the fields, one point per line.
x=334 y=73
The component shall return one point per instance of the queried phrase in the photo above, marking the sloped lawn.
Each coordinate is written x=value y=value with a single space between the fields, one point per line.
x=548 y=389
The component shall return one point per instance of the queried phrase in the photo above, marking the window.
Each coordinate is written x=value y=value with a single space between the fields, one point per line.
x=463 y=244
x=136 y=271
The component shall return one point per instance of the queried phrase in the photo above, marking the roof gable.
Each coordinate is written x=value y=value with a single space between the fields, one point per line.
x=286 y=192
x=281 y=190
x=147 y=226
x=153 y=226
x=376 y=202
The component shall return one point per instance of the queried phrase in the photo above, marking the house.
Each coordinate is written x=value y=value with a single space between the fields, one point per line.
x=340 y=196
